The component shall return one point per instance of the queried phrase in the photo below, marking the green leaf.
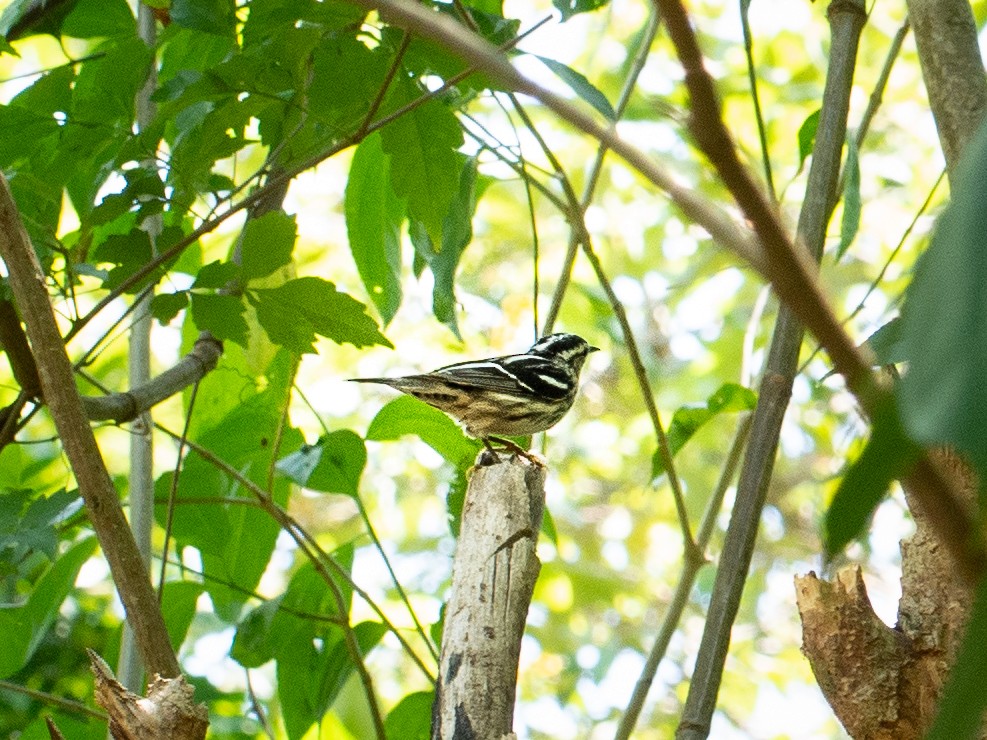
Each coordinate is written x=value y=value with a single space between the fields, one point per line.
x=212 y=16
x=221 y=316
x=129 y=252
x=334 y=465
x=961 y=708
x=23 y=627
x=216 y=275
x=687 y=420
x=887 y=343
x=374 y=215
x=424 y=164
x=807 y=137
x=253 y=644
x=850 y=222
x=30 y=523
x=235 y=541
x=888 y=455
x=569 y=8
x=166 y=306
x=456 y=497
x=944 y=333
x=581 y=86
x=23 y=18
x=408 y=415
x=411 y=718
x=293 y=313
x=457 y=232
x=178 y=609
x=268 y=242
x=94 y=18
x=105 y=87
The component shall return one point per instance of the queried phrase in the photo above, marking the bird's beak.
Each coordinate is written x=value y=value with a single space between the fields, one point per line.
x=592 y=349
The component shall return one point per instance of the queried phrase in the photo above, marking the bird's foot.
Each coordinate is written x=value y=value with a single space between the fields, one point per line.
x=514 y=449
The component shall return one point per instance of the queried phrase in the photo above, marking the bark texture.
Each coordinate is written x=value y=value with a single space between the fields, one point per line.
x=946 y=38
x=168 y=712
x=901 y=671
x=493 y=577
x=58 y=386
x=884 y=683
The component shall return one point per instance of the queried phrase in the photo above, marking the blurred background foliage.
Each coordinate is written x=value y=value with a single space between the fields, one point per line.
x=273 y=84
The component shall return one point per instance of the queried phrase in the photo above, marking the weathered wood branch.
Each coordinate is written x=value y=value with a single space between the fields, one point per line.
x=127 y=405
x=884 y=683
x=168 y=712
x=493 y=578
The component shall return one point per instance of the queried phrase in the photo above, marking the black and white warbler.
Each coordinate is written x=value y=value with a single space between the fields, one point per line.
x=513 y=395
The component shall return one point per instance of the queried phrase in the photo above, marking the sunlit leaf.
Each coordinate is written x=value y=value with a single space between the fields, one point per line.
x=374 y=215
x=268 y=242
x=457 y=232
x=221 y=316
x=411 y=718
x=807 y=137
x=408 y=415
x=424 y=164
x=333 y=465
x=178 y=606
x=166 y=306
x=216 y=275
x=581 y=86
x=850 y=222
x=687 y=420
x=293 y=313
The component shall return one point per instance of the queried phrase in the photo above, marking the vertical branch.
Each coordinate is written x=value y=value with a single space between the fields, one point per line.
x=58 y=385
x=141 y=478
x=493 y=578
x=946 y=39
x=847 y=18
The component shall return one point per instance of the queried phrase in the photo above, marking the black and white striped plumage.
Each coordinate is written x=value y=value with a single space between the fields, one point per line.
x=513 y=395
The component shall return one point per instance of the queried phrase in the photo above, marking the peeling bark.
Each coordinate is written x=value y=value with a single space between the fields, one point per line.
x=168 y=712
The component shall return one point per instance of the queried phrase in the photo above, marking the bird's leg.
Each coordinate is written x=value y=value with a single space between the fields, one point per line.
x=517 y=450
x=490 y=456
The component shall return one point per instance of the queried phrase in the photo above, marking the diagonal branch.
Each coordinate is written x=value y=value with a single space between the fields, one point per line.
x=58 y=385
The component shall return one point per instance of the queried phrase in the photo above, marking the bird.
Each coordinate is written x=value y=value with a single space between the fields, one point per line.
x=512 y=395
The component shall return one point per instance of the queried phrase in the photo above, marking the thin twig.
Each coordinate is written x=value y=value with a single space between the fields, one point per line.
x=68 y=705
x=593 y=176
x=690 y=569
x=575 y=215
x=762 y=133
x=173 y=489
x=365 y=516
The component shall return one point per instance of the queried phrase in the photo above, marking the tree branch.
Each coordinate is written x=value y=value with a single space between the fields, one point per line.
x=946 y=38
x=847 y=20
x=127 y=405
x=58 y=385
x=493 y=578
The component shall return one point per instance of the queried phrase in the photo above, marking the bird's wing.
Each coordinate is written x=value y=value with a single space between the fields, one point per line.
x=511 y=374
